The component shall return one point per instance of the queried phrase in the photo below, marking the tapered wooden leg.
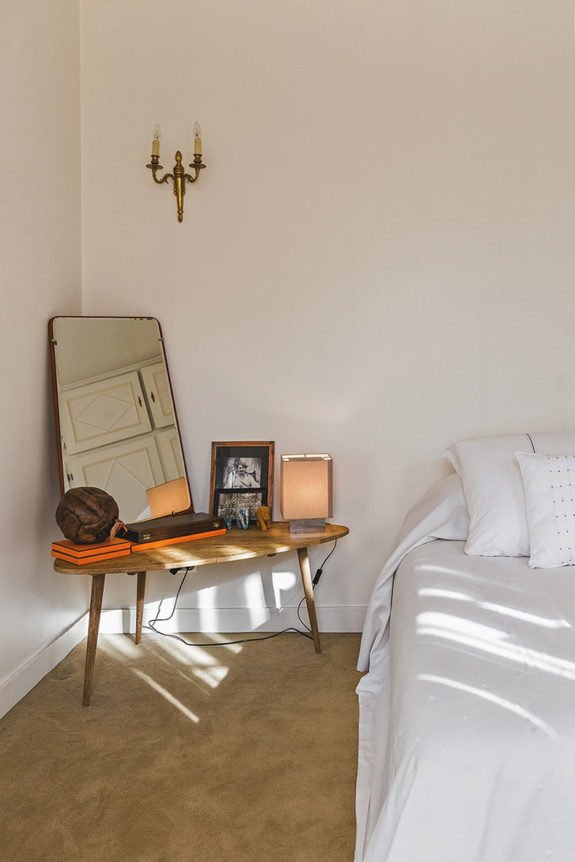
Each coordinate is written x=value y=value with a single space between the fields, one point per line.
x=140 y=605
x=93 y=628
x=305 y=570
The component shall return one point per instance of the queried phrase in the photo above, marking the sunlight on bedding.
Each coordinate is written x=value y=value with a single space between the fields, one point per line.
x=464 y=578
x=463 y=632
x=458 y=624
x=492 y=698
x=504 y=610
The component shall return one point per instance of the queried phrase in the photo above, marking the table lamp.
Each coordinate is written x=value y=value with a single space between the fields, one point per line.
x=306 y=492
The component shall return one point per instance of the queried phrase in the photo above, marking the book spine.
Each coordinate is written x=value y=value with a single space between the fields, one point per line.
x=85 y=561
x=176 y=540
x=80 y=555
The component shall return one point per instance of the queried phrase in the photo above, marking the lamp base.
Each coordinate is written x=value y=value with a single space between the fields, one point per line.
x=307 y=525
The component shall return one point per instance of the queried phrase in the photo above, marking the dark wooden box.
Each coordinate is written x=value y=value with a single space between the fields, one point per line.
x=171 y=526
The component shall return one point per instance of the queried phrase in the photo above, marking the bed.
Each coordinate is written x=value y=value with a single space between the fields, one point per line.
x=467 y=711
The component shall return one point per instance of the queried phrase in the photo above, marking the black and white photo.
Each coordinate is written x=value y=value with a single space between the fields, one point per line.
x=241 y=478
x=242 y=472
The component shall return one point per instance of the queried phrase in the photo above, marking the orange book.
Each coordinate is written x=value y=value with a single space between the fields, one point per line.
x=84 y=561
x=71 y=549
x=177 y=540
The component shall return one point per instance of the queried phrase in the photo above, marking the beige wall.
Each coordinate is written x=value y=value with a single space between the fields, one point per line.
x=39 y=277
x=379 y=258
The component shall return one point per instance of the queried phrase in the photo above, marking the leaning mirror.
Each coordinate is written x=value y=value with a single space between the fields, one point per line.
x=115 y=414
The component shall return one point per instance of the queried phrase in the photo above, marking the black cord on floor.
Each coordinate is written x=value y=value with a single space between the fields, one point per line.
x=157 y=619
x=306 y=634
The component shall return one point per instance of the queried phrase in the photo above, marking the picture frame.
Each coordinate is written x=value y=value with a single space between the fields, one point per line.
x=241 y=478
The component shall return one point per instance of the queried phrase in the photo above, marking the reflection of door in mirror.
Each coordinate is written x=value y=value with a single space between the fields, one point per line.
x=115 y=414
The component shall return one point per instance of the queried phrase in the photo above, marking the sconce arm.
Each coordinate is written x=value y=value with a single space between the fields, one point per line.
x=197 y=165
x=166 y=178
x=155 y=167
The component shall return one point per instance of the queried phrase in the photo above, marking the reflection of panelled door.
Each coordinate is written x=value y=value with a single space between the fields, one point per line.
x=103 y=412
x=118 y=434
x=170 y=454
x=124 y=470
x=158 y=392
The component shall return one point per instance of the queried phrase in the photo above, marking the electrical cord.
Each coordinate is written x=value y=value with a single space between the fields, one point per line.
x=315 y=582
x=319 y=572
x=303 y=622
x=152 y=624
x=157 y=619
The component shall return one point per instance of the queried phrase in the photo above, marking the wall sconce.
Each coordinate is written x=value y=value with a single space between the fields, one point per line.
x=306 y=492
x=179 y=177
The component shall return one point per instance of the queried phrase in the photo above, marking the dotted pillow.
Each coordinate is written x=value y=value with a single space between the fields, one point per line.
x=549 y=487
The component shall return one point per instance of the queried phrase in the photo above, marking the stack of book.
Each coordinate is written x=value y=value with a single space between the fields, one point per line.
x=83 y=555
x=142 y=536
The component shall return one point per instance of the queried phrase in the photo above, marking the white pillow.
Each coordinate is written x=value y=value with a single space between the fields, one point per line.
x=493 y=488
x=549 y=485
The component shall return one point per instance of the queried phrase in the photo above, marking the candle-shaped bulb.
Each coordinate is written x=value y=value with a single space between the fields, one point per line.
x=197 y=139
x=156 y=141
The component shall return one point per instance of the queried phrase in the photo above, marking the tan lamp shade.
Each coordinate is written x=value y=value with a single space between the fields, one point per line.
x=168 y=498
x=306 y=486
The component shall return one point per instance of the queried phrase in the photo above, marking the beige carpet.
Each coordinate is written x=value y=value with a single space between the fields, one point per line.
x=235 y=754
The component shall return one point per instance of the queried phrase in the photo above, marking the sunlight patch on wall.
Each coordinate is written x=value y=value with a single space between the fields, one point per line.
x=283 y=582
x=254 y=591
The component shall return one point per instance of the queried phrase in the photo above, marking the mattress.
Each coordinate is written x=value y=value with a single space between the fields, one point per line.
x=467 y=728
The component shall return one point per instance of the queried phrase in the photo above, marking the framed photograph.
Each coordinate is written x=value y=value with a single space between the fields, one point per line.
x=241 y=478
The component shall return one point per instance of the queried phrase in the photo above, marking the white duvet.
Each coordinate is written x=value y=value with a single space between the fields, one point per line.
x=467 y=713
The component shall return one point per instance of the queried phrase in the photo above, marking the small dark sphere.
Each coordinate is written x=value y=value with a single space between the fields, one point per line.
x=87 y=515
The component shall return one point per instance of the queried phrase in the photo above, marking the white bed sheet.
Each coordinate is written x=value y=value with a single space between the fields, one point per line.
x=467 y=714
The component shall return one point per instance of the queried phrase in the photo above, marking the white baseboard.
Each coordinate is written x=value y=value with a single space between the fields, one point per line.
x=29 y=673
x=334 y=618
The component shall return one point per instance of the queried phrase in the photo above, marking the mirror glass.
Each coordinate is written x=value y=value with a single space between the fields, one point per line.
x=117 y=425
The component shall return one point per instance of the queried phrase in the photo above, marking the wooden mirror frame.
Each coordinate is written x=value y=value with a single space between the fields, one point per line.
x=55 y=399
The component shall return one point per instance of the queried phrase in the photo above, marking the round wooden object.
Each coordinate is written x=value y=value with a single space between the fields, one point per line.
x=87 y=515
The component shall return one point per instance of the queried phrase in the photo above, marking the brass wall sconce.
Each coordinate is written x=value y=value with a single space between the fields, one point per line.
x=179 y=177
